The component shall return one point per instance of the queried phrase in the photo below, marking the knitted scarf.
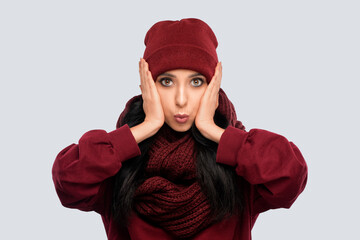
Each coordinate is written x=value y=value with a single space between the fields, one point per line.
x=171 y=197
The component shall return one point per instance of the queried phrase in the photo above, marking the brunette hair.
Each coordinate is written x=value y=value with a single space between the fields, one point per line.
x=218 y=181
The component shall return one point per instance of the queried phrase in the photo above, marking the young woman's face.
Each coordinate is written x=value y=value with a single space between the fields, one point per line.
x=180 y=92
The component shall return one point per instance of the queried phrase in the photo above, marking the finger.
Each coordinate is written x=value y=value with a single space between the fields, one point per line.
x=150 y=80
x=215 y=76
x=220 y=74
x=141 y=72
x=220 y=71
x=214 y=84
x=144 y=74
x=148 y=76
x=141 y=78
x=148 y=71
x=218 y=77
x=147 y=68
x=144 y=82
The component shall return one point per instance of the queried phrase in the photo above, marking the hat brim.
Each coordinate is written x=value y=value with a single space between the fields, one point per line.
x=181 y=57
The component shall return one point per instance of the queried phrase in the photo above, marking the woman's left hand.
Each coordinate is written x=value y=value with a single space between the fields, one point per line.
x=204 y=120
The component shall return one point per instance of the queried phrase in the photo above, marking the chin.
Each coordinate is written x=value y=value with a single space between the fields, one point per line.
x=180 y=127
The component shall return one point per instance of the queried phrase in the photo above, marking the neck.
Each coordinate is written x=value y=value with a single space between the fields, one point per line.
x=171 y=134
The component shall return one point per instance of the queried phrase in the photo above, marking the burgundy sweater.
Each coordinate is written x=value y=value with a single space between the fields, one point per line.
x=271 y=168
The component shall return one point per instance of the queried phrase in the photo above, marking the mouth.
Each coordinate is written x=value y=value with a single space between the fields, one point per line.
x=181 y=118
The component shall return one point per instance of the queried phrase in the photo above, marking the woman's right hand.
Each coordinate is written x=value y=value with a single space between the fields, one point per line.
x=154 y=114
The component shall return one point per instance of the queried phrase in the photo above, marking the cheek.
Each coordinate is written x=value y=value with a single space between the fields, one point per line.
x=198 y=97
x=165 y=101
x=196 y=103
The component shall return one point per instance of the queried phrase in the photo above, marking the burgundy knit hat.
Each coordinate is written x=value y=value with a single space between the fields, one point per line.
x=184 y=44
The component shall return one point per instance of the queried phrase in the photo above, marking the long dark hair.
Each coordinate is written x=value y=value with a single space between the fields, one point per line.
x=218 y=181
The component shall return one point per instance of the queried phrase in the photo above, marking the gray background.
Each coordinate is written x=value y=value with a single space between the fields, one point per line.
x=291 y=67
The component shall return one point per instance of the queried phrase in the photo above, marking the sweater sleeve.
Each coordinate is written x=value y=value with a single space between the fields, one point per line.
x=274 y=167
x=80 y=169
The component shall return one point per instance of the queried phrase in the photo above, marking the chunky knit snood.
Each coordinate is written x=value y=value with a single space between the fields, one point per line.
x=171 y=197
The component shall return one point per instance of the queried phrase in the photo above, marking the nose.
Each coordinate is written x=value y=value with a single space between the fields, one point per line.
x=181 y=97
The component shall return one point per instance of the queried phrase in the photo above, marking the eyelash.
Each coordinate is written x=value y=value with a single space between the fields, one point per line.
x=163 y=79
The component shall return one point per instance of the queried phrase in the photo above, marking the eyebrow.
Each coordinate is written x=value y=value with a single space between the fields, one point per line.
x=171 y=75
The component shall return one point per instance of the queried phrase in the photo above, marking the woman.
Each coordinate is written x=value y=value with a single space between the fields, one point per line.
x=179 y=164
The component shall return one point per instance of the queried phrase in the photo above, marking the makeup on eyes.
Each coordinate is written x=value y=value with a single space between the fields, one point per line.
x=162 y=81
x=201 y=81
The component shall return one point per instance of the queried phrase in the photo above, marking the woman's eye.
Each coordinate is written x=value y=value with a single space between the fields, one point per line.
x=166 y=82
x=197 y=82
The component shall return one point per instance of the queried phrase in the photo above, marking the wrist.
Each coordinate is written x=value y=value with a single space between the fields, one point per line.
x=152 y=126
x=144 y=130
x=212 y=131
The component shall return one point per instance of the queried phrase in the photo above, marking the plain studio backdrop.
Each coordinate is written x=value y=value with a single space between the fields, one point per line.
x=291 y=67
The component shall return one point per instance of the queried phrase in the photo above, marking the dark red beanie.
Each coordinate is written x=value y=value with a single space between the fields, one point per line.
x=185 y=44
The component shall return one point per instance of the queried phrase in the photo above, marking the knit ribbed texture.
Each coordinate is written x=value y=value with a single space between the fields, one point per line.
x=185 y=44
x=171 y=197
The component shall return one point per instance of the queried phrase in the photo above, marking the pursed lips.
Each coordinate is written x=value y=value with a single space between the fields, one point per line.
x=181 y=118
x=181 y=115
